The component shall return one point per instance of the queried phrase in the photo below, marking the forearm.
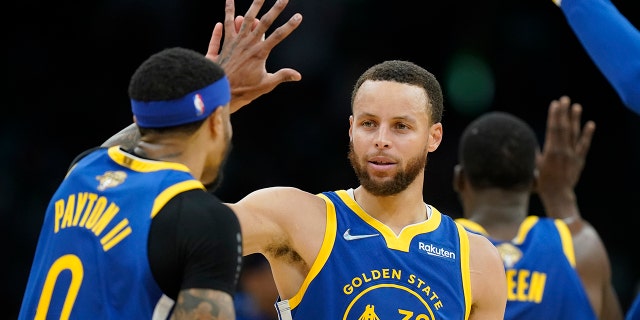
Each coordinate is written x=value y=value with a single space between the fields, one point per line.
x=561 y=204
x=611 y=41
x=127 y=138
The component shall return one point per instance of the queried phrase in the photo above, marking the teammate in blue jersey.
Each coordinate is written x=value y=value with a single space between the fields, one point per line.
x=611 y=41
x=556 y=265
x=113 y=243
x=131 y=232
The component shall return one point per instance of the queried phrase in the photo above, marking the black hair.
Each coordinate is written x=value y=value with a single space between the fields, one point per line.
x=409 y=73
x=498 y=150
x=171 y=74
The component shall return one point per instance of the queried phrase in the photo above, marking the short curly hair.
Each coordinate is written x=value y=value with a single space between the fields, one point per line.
x=498 y=150
x=409 y=73
x=171 y=74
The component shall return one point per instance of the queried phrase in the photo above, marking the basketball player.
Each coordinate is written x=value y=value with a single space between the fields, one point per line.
x=556 y=266
x=131 y=233
x=376 y=251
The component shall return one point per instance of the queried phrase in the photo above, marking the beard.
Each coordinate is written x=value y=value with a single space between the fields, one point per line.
x=400 y=181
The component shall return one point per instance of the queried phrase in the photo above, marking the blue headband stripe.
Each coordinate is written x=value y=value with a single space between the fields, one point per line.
x=194 y=106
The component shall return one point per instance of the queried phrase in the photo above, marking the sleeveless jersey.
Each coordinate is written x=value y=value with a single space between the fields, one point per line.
x=542 y=282
x=364 y=271
x=91 y=257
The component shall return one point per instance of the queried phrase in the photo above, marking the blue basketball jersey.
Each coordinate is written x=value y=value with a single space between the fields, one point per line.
x=91 y=257
x=542 y=282
x=365 y=271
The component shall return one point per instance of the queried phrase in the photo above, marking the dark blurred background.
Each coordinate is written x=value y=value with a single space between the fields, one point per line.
x=67 y=67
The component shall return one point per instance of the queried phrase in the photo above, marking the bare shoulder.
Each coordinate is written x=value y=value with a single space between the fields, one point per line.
x=484 y=257
x=591 y=257
x=281 y=218
x=275 y=202
x=488 y=280
x=481 y=243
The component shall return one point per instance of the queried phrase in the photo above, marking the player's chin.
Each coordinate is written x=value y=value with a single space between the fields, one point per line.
x=386 y=173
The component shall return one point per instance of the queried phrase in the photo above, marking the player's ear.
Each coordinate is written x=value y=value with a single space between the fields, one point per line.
x=216 y=121
x=435 y=133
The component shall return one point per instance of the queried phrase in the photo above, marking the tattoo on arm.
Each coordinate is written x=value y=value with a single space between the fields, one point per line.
x=203 y=304
x=127 y=138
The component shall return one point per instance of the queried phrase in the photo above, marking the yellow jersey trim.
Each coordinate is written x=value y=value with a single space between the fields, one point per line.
x=567 y=241
x=142 y=165
x=325 y=251
x=171 y=192
x=399 y=242
x=465 y=269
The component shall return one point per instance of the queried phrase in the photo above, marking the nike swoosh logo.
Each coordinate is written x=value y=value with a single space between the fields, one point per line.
x=347 y=236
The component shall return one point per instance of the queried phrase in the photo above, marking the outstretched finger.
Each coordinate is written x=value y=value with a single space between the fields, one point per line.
x=268 y=18
x=214 y=43
x=249 y=23
x=584 y=140
x=576 y=116
x=552 y=127
x=229 y=19
x=282 y=32
x=564 y=123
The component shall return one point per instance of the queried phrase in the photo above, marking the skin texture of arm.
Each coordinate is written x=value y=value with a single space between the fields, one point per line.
x=488 y=283
x=287 y=226
x=560 y=165
x=611 y=41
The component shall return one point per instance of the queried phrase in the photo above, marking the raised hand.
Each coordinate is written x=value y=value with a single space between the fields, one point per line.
x=246 y=48
x=563 y=157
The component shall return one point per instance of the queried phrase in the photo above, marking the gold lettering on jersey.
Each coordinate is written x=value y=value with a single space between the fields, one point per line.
x=121 y=231
x=84 y=199
x=426 y=290
x=525 y=285
x=413 y=280
x=374 y=275
x=93 y=212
